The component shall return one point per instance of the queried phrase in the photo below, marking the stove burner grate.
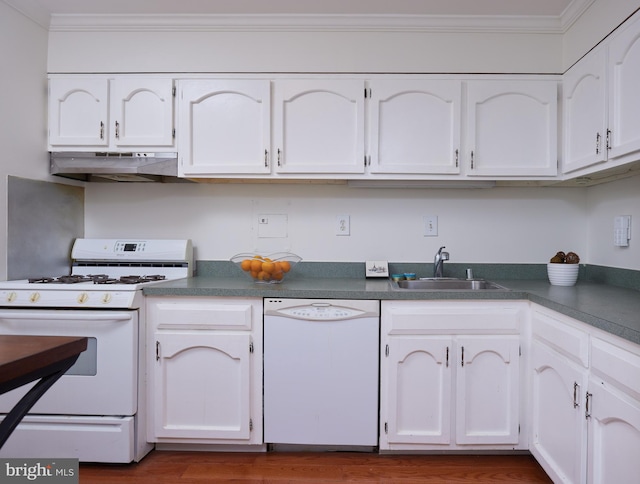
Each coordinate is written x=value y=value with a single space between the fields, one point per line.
x=96 y=279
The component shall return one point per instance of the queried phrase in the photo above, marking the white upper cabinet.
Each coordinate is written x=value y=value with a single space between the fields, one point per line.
x=318 y=126
x=415 y=126
x=512 y=128
x=225 y=126
x=585 y=112
x=142 y=112
x=624 y=90
x=119 y=114
x=78 y=112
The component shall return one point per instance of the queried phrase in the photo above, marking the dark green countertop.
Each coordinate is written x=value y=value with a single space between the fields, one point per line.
x=613 y=309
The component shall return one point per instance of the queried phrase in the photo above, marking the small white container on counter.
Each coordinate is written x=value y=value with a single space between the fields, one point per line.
x=562 y=274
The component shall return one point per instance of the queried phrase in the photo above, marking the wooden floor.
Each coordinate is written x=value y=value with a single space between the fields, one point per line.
x=162 y=467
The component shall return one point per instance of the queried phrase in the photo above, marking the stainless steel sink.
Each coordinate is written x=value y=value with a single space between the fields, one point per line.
x=446 y=283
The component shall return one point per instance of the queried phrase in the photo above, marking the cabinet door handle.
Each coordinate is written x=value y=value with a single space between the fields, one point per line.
x=101 y=130
x=598 y=143
x=157 y=350
x=447 y=357
x=266 y=159
x=462 y=355
x=457 y=157
x=472 y=159
x=386 y=350
x=279 y=154
x=587 y=410
x=576 y=400
x=608 y=139
x=117 y=130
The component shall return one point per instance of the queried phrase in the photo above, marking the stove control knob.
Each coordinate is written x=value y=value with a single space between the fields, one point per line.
x=83 y=297
x=34 y=297
x=106 y=298
x=12 y=296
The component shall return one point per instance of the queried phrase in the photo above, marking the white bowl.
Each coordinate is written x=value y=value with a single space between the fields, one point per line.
x=562 y=274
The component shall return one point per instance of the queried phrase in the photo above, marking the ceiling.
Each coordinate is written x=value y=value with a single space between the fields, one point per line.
x=42 y=11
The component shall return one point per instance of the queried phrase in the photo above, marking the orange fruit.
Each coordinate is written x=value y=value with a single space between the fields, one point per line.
x=256 y=265
x=277 y=276
x=286 y=267
x=268 y=266
x=245 y=265
x=264 y=276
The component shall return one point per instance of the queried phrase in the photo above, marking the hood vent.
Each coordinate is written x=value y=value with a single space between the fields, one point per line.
x=116 y=167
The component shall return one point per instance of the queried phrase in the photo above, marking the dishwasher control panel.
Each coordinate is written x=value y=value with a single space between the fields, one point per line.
x=324 y=312
x=321 y=309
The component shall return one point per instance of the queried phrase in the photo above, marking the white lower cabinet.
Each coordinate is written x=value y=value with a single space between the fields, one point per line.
x=586 y=402
x=450 y=375
x=206 y=370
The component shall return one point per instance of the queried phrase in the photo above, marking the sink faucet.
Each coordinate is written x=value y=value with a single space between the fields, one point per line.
x=438 y=262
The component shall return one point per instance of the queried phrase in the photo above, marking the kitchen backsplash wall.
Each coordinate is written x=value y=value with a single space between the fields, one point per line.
x=43 y=221
x=507 y=225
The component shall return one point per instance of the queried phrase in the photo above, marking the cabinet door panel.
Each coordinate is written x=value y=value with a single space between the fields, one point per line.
x=78 y=112
x=142 y=112
x=558 y=423
x=224 y=126
x=614 y=436
x=487 y=390
x=512 y=128
x=415 y=126
x=584 y=120
x=202 y=385
x=319 y=126
x=419 y=394
x=624 y=110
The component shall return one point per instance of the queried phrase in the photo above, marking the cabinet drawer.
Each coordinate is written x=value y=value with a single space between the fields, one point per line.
x=204 y=313
x=425 y=317
x=557 y=333
x=616 y=365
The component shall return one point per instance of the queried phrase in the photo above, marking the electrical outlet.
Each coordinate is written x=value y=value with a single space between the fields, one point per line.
x=430 y=225
x=343 y=225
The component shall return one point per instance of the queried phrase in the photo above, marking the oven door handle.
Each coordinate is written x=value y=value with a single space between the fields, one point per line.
x=68 y=316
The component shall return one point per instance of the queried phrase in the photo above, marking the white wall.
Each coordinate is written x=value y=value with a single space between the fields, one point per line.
x=604 y=202
x=296 y=51
x=510 y=225
x=23 y=94
x=594 y=25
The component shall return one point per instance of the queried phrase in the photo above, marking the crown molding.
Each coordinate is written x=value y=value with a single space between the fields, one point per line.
x=329 y=23
x=34 y=10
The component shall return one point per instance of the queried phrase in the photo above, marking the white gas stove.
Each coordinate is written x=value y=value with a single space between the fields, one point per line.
x=105 y=273
x=96 y=412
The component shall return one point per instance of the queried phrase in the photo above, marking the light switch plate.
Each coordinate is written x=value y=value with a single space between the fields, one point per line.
x=430 y=225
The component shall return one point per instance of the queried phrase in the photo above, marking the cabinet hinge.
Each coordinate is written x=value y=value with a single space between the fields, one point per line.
x=251 y=347
x=250 y=425
x=386 y=428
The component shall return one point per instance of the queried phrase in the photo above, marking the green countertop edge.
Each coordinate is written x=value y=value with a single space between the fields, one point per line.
x=609 y=301
x=626 y=278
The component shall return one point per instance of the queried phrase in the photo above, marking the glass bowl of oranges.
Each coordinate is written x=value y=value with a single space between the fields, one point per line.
x=270 y=269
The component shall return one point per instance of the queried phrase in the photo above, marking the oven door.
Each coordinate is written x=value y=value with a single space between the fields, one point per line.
x=104 y=379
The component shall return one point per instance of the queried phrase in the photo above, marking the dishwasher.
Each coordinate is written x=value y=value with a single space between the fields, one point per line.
x=321 y=367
